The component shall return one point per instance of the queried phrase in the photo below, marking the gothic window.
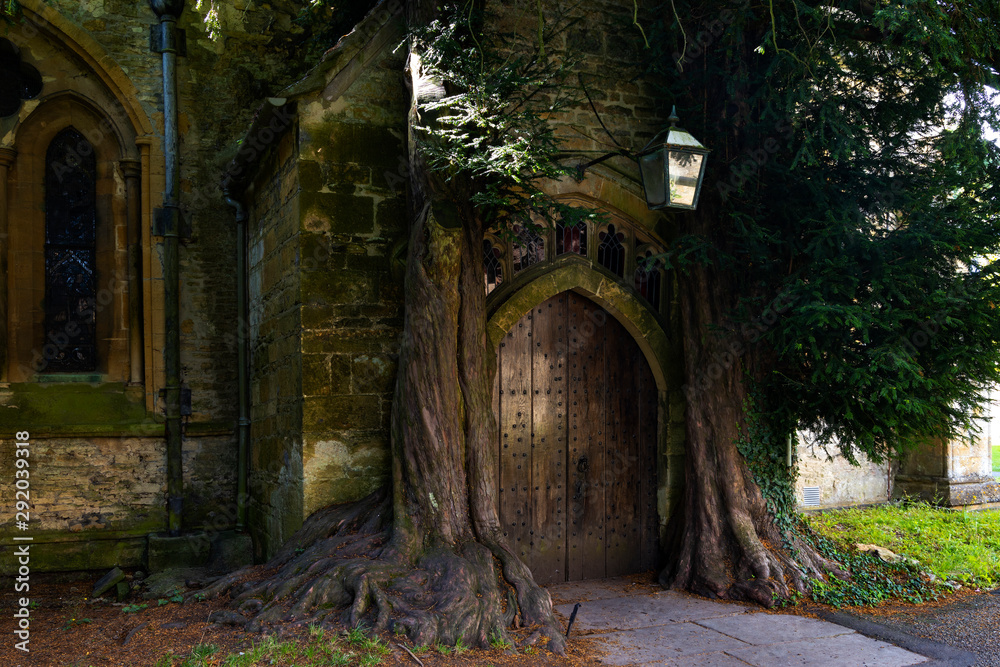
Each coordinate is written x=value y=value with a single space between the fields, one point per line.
x=492 y=268
x=70 y=253
x=572 y=239
x=611 y=251
x=528 y=248
x=649 y=277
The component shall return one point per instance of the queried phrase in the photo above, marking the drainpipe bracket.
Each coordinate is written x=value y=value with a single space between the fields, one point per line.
x=171 y=221
x=166 y=37
x=185 y=400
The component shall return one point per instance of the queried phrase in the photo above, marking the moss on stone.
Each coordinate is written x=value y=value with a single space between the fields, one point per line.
x=343 y=213
x=327 y=413
x=337 y=287
x=316 y=375
x=76 y=408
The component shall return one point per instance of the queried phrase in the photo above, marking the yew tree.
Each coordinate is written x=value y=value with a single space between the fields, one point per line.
x=837 y=276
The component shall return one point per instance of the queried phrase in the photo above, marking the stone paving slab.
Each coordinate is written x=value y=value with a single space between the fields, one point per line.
x=626 y=613
x=849 y=650
x=636 y=624
x=763 y=628
x=600 y=589
x=663 y=643
x=703 y=660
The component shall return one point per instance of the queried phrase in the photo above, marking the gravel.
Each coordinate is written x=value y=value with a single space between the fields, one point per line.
x=968 y=620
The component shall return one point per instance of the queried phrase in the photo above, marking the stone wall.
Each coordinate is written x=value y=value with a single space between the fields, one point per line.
x=101 y=466
x=353 y=170
x=220 y=82
x=840 y=483
x=92 y=491
x=955 y=473
x=276 y=365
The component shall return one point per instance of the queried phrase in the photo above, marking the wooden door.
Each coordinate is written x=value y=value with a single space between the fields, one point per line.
x=576 y=405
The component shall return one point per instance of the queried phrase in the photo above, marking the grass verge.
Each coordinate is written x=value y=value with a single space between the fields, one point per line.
x=960 y=546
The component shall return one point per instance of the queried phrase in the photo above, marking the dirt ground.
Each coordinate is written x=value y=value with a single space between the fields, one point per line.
x=68 y=629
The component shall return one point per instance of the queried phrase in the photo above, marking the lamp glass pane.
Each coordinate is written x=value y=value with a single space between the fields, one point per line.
x=684 y=168
x=651 y=166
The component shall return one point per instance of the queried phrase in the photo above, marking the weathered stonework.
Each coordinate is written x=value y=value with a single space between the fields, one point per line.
x=327 y=219
x=327 y=309
x=840 y=483
x=956 y=473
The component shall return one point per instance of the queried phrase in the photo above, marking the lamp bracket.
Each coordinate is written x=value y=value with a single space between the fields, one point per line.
x=581 y=168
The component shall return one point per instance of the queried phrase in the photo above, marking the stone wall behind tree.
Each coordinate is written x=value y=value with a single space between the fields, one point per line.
x=220 y=82
x=353 y=216
x=840 y=483
x=275 y=330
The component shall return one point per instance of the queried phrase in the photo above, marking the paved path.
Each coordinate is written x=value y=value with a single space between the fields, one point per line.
x=640 y=624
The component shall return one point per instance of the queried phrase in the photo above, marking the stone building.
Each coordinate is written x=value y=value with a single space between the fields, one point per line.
x=314 y=168
x=319 y=183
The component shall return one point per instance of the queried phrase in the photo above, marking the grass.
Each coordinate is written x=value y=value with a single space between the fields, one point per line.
x=996 y=458
x=321 y=649
x=953 y=545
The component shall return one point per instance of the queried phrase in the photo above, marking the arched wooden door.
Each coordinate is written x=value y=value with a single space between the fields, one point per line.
x=576 y=404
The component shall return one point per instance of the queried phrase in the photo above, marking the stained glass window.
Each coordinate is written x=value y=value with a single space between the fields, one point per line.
x=648 y=277
x=611 y=252
x=528 y=248
x=70 y=253
x=492 y=268
x=571 y=238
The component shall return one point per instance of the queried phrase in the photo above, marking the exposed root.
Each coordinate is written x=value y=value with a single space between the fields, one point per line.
x=334 y=570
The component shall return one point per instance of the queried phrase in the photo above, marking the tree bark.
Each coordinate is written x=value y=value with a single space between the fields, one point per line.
x=723 y=538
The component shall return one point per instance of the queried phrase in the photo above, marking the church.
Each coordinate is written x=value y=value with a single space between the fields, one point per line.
x=202 y=374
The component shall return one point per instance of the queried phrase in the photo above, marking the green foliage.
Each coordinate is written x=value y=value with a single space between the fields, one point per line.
x=200 y=656
x=958 y=546
x=74 y=622
x=10 y=10
x=872 y=580
x=851 y=171
x=765 y=447
x=996 y=458
x=134 y=608
x=490 y=135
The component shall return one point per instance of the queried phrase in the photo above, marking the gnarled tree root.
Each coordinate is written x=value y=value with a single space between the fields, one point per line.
x=337 y=568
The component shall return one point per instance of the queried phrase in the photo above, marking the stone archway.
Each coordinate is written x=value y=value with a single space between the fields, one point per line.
x=654 y=348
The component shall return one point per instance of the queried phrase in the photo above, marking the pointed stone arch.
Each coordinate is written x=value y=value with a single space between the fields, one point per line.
x=39 y=17
x=653 y=339
x=648 y=330
x=86 y=89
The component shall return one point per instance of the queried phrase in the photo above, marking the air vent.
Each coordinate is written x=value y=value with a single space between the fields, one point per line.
x=810 y=496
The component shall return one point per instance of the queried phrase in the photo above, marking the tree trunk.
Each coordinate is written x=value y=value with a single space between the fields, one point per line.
x=441 y=571
x=724 y=542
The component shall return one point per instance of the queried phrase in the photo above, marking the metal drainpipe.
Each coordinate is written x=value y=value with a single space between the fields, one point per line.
x=243 y=359
x=168 y=45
